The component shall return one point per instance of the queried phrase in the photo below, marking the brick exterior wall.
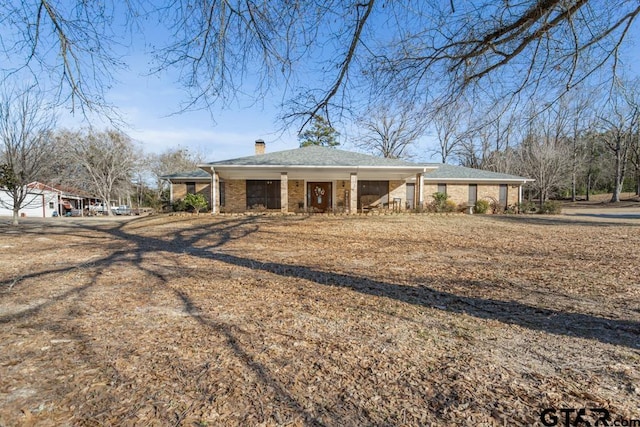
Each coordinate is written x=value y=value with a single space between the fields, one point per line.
x=296 y=195
x=342 y=195
x=398 y=190
x=429 y=189
x=489 y=192
x=513 y=191
x=459 y=193
x=235 y=195
x=180 y=190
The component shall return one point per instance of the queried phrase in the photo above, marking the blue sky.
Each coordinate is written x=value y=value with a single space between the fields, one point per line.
x=149 y=104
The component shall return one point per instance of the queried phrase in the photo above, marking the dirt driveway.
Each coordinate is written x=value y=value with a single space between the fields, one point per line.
x=258 y=320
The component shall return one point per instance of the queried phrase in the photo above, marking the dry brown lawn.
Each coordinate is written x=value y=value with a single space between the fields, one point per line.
x=336 y=321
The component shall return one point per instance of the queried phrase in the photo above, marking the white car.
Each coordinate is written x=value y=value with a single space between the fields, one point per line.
x=122 y=210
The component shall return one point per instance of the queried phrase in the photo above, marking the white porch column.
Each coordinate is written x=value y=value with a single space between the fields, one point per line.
x=353 y=194
x=419 y=197
x=284 y=192
x=215 y=193
x=519 y=195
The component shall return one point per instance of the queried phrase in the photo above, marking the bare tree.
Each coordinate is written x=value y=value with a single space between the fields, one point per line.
x=220 y=45
x=447 y=122
x=479 y=135
x=596 y=161
x=619 y=123
x=171 y=161
x=70 y=47
x=107 y=160
x=635 y=158
x=26 y=146
x=544 y=153
x=578 y=106
x=547 y=162
x=391 y=133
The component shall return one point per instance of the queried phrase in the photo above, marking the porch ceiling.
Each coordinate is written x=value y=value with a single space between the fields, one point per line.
x=310 y=173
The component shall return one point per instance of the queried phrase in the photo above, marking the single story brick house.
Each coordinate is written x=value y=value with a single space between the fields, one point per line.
x=322 y=179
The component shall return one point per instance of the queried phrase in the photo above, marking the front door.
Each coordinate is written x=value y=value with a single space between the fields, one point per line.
x=319 y=196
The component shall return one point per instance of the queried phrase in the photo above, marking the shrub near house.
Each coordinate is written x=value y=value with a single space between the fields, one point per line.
x=195 y=201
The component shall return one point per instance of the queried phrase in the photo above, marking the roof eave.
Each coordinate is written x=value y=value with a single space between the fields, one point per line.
x=475 y=180
x=208 y=167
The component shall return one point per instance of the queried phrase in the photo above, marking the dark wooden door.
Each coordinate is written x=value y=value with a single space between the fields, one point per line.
x=319 y=196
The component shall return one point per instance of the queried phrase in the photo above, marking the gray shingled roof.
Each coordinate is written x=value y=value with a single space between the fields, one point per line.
x=314 y=156
x=447 y=172
x=194 y=174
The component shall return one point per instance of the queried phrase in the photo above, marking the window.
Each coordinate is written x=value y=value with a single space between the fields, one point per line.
x=191 y=188
x=221 y=189
x=263 y=193
x=503 y=195
x=51 y=206
x=473 y=194
x=411 y=192
x=442 y=188
x=375 y=192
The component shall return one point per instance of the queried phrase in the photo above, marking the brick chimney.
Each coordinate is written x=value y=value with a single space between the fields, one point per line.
x=260 y=147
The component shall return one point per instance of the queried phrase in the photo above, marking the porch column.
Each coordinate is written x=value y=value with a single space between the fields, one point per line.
x=419 y=197
x=519 y=195
x=215 y=193
x=353 y=194
x=284 y=192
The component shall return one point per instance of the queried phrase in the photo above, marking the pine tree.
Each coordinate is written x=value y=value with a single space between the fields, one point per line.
x=320 y=133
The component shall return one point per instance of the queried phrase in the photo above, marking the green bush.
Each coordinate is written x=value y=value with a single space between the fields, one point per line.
x=179 y=206
x=511 y=209
x=528 y=207
x=551 y=207
x=197 y=202
x=481 y=207
x=441 y=203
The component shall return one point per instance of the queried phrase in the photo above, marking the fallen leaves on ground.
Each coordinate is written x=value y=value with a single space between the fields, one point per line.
x=252 y=320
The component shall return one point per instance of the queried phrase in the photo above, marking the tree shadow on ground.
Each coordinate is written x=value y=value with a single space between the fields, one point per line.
x=564 y=220
x=207 y=241
x=609 y=331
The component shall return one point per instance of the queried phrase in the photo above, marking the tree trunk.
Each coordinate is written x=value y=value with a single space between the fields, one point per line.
x=574 y=166
x=16 y=215
x=543 y=196
x=619 y=176
x=588 y=185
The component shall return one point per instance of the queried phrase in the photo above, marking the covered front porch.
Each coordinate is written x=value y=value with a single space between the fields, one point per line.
x=311 y=179
x=299 y=189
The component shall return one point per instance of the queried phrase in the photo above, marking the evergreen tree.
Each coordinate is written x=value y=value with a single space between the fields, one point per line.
x=321 y=133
